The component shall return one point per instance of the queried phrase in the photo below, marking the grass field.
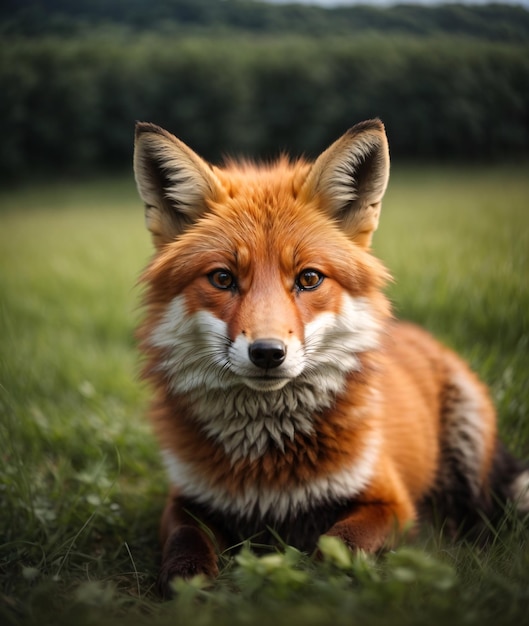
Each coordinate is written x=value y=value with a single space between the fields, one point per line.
x=81 y=485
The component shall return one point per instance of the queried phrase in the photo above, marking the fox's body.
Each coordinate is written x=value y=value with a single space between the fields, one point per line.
x=286 y=395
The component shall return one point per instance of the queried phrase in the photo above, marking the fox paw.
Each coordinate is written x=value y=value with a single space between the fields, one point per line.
x=187 y=553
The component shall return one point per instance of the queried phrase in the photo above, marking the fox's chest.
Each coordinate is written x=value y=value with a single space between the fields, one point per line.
x=279 y=486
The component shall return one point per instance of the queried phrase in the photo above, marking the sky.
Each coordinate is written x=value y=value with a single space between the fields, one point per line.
x=387 y=2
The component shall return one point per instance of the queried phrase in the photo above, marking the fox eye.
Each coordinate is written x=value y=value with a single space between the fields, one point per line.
x=309 y=279
x=222 y=279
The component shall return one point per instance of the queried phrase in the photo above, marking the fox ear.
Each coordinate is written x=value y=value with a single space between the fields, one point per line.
x=173 y=181
x=350 y=179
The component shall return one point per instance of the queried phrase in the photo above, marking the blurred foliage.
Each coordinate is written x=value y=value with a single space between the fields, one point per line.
x=450 y=82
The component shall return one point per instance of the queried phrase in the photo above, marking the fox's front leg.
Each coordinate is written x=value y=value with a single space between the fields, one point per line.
x=187 y=548
x=376 y=519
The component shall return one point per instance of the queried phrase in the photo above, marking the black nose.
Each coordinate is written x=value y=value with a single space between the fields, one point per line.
x=267 y=353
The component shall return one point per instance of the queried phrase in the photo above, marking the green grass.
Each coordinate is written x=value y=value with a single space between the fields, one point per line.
x=81 y=485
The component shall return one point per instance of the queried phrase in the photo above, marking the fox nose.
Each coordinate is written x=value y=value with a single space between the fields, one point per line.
x=267 y=353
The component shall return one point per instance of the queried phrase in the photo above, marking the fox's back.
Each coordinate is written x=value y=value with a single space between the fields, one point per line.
x=435 y=409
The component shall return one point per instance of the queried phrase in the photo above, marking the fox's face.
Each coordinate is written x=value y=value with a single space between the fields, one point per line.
x=262 y=277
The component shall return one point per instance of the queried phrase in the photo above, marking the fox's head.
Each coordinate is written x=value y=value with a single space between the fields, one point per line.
x=262 y=277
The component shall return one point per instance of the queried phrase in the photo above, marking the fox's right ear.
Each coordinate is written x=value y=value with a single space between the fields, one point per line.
x=173 y=181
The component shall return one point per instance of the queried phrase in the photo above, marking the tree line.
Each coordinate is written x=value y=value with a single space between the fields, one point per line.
x=69 y=101
x=500 y=21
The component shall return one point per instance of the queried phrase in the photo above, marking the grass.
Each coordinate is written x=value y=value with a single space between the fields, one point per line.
x=81 y=484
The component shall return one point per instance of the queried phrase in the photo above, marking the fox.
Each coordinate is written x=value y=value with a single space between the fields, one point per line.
x=287 y=399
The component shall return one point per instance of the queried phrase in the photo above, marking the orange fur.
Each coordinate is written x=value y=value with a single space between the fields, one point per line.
x=285 y=395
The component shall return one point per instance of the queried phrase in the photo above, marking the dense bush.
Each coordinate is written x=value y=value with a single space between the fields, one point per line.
x=70 y=104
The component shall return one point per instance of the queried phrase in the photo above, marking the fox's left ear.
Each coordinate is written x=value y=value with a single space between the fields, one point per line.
x=350 y=178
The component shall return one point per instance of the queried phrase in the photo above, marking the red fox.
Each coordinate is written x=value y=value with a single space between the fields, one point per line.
x=287 y=399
